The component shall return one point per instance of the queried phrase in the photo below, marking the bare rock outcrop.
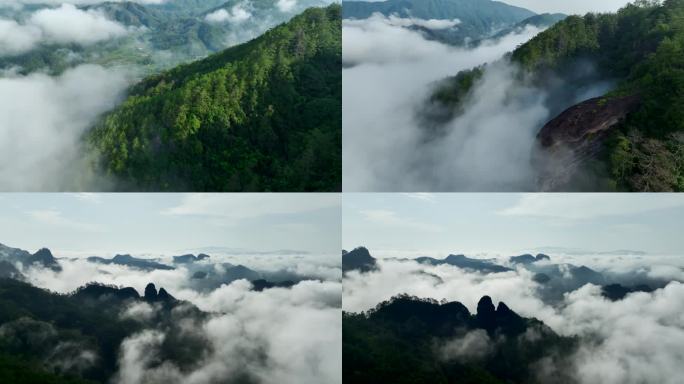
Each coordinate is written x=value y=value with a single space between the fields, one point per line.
x=575 y=136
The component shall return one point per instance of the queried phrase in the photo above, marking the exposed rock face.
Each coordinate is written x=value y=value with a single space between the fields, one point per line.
x=577 y=135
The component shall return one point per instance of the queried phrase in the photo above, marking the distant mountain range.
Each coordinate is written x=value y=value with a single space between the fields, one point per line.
x=474 y=20
x=553 y=279
x=11 y=257
x=204 y=275
x=413 y=340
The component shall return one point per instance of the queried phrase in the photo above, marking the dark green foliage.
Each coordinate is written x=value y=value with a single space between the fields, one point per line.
x=401 y=341
x=452 y=91
x=262 y=116
x=36 y=325
x=16 y=370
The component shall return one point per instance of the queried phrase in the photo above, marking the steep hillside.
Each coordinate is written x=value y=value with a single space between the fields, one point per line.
x=642 y=46
x=262 y=116
x=629 y=139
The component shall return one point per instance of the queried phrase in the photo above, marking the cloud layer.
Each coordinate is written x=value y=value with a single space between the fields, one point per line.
x=634 y=340
x=279 y=335
x=42 y=119
x=385 y=85
x=63 y=25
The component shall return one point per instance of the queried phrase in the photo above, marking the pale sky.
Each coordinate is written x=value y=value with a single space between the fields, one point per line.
x=565 y=6
x=439 y=224
x=106 y=224
x=570 y=6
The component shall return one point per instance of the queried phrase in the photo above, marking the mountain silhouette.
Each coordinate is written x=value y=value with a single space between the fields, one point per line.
x=410 y=340
x=131 y=261
x=358 y=259
x=528 y=259
x=464 y=262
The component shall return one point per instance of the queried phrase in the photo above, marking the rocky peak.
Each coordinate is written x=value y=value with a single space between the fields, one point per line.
x=150 y=292
x=358 y=259
x=486 y=313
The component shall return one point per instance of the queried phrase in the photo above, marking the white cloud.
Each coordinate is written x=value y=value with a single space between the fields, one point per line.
x=585 y=206
x=634 y=340
x=470 y=154
x=280 y=335
x=286 y=5
x=68 y=24
x=434 y=24
x=140 y=311
x=472 y=346
x=16 y=38
x=42 y=151
x=63 y=25
x=237 y=14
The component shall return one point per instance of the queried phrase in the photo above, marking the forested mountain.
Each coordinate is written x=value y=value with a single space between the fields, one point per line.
x=413 y=340
x=261 y=116
x=159 y=35
x=76 y=337
x=477 y=19
x=629 y=139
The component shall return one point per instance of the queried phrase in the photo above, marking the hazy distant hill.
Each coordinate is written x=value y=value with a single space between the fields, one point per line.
x=476 y=18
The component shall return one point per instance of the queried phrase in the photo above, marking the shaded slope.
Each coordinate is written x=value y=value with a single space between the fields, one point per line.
x=412 y=340
x=37 y=325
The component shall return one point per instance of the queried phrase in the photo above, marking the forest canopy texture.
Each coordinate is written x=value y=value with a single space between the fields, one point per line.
x=262 y=116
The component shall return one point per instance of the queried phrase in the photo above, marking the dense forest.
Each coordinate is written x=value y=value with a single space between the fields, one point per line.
x=413 y=340
x=75 y=338
x=261 y=116
x=641 y=49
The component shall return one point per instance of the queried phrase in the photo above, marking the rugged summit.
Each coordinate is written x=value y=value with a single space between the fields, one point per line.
x=358 y=259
